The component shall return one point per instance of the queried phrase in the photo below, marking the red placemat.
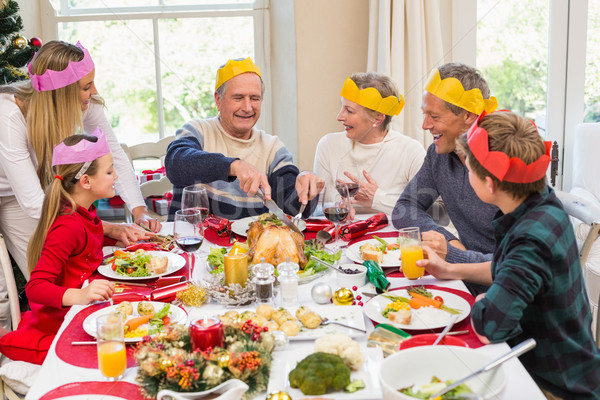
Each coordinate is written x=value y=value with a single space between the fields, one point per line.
x=469 y=338
x=124 y=390
x=84 y=356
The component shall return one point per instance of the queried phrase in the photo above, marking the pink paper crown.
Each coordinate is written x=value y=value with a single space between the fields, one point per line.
x=84 y=151
x=499 y=164
x=52 y=80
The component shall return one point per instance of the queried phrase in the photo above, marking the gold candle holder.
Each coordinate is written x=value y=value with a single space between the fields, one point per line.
x=236 y=268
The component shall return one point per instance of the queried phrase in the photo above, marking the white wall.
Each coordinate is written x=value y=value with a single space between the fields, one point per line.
x=29 y=10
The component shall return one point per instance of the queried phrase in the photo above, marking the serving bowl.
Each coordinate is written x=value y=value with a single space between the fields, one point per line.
x=427 y=339
x=351 y=279
x=418 y=365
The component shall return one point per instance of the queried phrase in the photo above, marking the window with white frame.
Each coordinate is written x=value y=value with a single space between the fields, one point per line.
x=156 y=60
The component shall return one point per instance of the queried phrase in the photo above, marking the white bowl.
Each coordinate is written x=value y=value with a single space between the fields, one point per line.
x=418 y=365
x=349 y=280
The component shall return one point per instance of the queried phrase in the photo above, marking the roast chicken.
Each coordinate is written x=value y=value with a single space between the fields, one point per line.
x=275 y=243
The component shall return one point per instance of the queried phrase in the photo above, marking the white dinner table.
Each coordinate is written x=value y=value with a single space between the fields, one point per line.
x=55 y=372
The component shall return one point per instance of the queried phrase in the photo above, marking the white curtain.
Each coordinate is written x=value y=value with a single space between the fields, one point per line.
x=406 y=43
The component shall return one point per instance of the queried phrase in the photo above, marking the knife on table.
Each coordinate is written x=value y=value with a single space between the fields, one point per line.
x=274 y=209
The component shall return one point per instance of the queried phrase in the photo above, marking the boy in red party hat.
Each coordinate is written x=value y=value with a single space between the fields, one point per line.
x=66 y=247
x=537 y=289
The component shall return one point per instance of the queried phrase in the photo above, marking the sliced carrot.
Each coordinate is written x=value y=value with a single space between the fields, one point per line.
x=122 y=254
x=418 y=303
x=432 y=302
x=134 y=323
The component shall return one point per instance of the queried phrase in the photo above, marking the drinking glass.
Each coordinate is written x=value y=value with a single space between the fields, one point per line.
x=188 y=232
x=336 y=205
x=411 y=251
x=348 y=167
x=196 y=197
x=110 y=337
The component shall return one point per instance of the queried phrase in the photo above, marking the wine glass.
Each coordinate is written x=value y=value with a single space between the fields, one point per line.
x=195 y=197
x=348 y=166
x=335 y=202
x=188 y=232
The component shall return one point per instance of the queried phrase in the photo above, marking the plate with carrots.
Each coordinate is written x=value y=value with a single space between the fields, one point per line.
x=417 y=308
x=141 y=318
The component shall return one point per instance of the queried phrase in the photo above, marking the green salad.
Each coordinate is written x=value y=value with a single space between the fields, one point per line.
x=436 y=384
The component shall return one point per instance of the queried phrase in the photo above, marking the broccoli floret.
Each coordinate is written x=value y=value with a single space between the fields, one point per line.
x=320 y=373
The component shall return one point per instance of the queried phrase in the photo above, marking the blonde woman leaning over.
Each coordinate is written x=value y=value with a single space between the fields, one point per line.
x=60 y=99
x=386 y=159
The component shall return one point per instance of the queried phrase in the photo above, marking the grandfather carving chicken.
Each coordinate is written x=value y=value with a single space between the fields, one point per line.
x=274 y=243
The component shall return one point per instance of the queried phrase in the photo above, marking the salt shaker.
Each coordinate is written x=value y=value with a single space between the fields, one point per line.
x=263 y=281
x=288 y=279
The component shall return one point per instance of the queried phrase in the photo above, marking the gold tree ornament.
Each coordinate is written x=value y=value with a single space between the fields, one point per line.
x=343 y=297
x=20 y=42
x=279 y=396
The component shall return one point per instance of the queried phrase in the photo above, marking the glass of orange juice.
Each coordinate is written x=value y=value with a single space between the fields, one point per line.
x=411 y=251
x=110 y=336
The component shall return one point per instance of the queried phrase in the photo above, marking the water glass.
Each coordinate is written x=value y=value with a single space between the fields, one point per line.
x=411 y=251
x=110 y=337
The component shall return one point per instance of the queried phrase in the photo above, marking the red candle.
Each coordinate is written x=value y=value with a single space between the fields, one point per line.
x=206 y=332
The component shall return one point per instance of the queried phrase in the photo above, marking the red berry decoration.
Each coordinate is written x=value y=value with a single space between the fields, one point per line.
x=360 y=303
x=34 y=41
x=189 y=363
x=359 y=297
x=354 y=288
x=353 y=302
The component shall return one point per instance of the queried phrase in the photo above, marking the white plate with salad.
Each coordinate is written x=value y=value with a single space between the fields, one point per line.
x=176 y=315
x=423 y=318
x=126 y=265
x=312 y=270
x=240 y=226
x=389 y=248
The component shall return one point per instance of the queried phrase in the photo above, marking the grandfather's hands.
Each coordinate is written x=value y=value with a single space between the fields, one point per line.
x=308 y=186
x=250 y=178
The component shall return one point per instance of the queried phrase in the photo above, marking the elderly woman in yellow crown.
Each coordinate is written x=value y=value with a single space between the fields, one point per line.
x=385 y=159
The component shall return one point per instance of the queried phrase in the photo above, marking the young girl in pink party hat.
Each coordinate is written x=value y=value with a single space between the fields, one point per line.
x=66 y=247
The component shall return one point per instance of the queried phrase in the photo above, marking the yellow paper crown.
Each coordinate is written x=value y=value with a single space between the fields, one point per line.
x=452 y=91
x=235 y=68
x=371 y=99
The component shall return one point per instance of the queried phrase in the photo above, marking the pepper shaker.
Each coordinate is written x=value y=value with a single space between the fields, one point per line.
x=263 y=281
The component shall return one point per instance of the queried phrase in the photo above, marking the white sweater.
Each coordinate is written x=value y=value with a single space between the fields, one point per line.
x=391 y=163
x=18 y=162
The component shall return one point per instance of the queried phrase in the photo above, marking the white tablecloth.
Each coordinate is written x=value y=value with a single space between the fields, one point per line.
x=55 y=372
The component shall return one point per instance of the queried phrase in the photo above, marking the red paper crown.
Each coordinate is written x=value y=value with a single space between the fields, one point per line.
x=503 y=167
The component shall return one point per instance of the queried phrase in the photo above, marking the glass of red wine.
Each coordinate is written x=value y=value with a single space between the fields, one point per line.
x=188 y=232
x=195 y=197
x=348 y=174
x=335 y=202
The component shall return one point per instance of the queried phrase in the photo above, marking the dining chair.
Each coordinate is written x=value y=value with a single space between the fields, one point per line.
x=156 y=188
x=582 y=203
x=16 y=376
x=145 y=151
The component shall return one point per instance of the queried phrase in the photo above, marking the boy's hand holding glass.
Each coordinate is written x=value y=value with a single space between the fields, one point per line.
x=411 y=251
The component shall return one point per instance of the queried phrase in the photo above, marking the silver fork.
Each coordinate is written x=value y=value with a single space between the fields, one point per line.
x=299 y=215
x=326 y=321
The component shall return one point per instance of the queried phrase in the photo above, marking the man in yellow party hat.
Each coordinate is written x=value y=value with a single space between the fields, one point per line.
x=455 y=95
x=232 y=158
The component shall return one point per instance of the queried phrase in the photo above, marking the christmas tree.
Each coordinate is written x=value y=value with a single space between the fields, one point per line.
x=15 y=50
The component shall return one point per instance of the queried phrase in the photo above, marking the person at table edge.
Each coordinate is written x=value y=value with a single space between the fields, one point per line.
x=537 y=288
x=233 y=159
x=453 y=98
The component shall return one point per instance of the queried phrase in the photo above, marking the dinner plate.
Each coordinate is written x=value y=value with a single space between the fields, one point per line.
x=285 y=361
x=377 y=304
x=391 y=259
x=349 y=315
x=240 y=226
x=177 y=314
x=176 y=262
